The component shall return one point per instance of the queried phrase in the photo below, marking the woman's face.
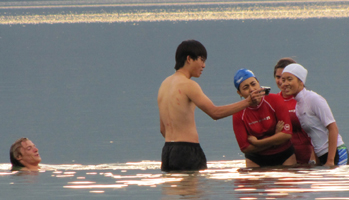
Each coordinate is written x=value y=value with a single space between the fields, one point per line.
x=248 y=86
x=291 y=85
x=277 y=77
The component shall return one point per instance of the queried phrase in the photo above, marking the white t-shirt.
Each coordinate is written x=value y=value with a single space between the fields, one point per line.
x=315 y=115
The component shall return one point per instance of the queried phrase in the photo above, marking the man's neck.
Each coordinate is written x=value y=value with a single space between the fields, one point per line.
x=31 y=168
x=184 y=72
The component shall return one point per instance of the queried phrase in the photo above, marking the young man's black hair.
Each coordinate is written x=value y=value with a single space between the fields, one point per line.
x=191 y=48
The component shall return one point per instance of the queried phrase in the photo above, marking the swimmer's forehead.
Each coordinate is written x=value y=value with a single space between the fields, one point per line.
x=27 y=143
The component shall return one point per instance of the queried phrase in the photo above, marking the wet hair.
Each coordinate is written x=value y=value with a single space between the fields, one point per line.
x=282 y=63
x=191 y=48
x=15 y=151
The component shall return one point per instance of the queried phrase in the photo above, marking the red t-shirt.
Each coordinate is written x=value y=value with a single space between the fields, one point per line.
x=261 y=122
x=299 y=136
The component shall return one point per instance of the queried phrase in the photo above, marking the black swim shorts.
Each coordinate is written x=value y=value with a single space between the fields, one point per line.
x=270 y=160
x=182 y=156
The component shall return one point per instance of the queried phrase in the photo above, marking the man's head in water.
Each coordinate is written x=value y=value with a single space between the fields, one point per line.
x=24 y=155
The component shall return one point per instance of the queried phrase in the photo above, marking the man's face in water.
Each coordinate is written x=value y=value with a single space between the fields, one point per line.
x=30 y=154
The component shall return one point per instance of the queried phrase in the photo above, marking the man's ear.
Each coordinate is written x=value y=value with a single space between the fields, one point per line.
x=189 y=59
x=19 y=157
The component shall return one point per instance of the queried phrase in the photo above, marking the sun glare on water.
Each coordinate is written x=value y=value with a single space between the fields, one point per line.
x=49 y=13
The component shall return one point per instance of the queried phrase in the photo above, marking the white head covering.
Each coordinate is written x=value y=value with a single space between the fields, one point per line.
x=298 y=70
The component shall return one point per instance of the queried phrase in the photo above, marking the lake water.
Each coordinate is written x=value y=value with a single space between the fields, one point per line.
x=80 y=79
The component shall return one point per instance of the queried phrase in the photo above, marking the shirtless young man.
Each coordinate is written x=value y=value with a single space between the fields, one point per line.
x=177 y=99
x=24 y=156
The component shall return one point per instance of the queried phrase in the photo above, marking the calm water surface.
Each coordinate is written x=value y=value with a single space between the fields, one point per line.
x=80 y=79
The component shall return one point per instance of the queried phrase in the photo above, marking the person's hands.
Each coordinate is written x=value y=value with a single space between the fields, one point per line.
x=329 y=164
x=279 y=126
x=255 y=97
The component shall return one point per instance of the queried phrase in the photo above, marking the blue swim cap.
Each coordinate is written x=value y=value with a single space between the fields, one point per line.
x=241 y=75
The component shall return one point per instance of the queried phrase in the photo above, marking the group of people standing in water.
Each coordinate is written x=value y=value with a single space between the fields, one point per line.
x=294 y=126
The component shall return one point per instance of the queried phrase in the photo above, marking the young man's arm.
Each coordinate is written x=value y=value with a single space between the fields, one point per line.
x=195 y=94
x=332 y=143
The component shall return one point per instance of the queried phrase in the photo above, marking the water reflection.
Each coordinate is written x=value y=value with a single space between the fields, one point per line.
x=221 y=178
x=187 y=187
x=292 y=182
x=110 y=12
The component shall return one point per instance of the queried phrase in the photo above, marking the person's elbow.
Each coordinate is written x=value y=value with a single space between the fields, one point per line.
x=249 y=149
x=246 y=151
x=215 y=112
x=287 y=136
x=215 y=115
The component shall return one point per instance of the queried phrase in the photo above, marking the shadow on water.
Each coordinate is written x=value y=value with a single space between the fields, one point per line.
x=223 y=179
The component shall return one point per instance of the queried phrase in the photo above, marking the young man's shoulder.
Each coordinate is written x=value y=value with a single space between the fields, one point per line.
x=184 y=82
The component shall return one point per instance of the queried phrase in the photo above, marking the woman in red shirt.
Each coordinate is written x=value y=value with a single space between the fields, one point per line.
x=263 y=132
x=302 y=144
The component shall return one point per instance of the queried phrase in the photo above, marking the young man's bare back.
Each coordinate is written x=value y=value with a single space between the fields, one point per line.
x=177 y=98
x=177 y=123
